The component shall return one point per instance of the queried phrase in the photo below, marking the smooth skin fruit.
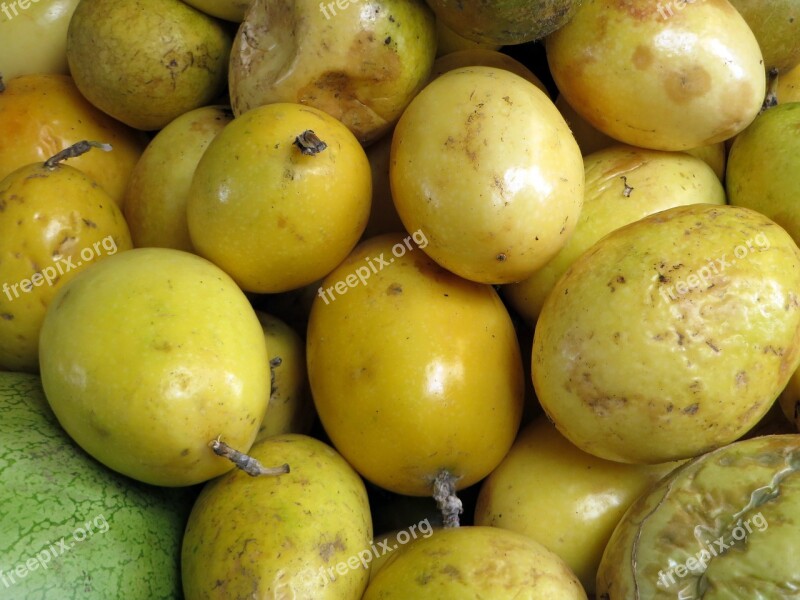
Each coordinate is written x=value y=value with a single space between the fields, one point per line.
x=763 y=167
x=413 y=370
x=119 y=534
x=671 y=336
x=722 y=527
x=776 y=25
x=485 y=165
x=623 y=185
x=271 y=216
x=35 y=37
x=146 y=62
x=43 y=114
x=361 y=62
x=656 y=80
x=54 y=223
x=149 y=356
x=481 y=57
x=157 y=193
x=472 y=563
x=568 y=501
x=283 y=536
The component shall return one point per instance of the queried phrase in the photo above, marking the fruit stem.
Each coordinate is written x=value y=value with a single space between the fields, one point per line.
x=309 y=143
x=74 y=151
x=444 y=492
x=246 y=463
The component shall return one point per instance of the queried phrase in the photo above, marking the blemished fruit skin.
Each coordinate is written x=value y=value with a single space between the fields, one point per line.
x=671 y=336
x=282 y=536
x=148 y=356
x=472 y=563
x=565 y=499
x=623 y=185
x=649 y=74
x=42 y=114
x=504 y=22
x=272 y=217
x=158 y=190
x=763 y=167
x=722 y=527
x=486 y=166
x=119 y=536
x=54 y=223
x=146 y=62
x=361 y=63
x=413 y=370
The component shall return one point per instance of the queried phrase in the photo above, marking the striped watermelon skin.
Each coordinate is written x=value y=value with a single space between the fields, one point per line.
x=69 y=526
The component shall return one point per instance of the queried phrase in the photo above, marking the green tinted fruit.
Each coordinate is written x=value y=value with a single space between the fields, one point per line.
x=69 y=527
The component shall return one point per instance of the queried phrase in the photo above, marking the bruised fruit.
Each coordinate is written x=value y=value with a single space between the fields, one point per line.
x=671 y=336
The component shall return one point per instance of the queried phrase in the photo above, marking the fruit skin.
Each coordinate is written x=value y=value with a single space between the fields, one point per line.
x=485 y=165
x=744 y=496
x=54 y=223
x=230 y=10
x=146 y=62
x=448 y=41
x=270 y=216
x=504 y=22
x=763 y=166
x=362 y=65
x=51 y=488
x=290 y=407
x=157 y=193
x=279 y=537
x=653 y=181
x=414 y=371
x=776 y=26
x=788 y=86
x=45 y=113
x=485 y=58
x=707 y=352
x=565 y=499
x=790 y=399
x=35 y=39
x=150 y=355
x=467 y=563
x=658 y=82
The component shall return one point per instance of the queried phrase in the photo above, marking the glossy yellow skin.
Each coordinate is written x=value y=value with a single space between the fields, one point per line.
x=146 y=62
x=230 y=10
x=49 y=217
x=276 y=536
x=659 y=180
x=485 y=165
x=156 y=196
x=448 y=41
x=484 y=58
x=362 y=63
x=415 y=371
x=468 y=563
x=35 y=38
x=147 y=357
x=645 y=353
x=41 y=115
x=763 y=167
x=290 y=407
x=591 y=140
x=270 y=216
x=691 y=79
x=568 y=501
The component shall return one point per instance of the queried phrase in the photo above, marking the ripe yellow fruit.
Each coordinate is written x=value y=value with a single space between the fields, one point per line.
x=271 y=214
x=671 y=336
x=486 y=166
x=54 y=223
x=413 y=370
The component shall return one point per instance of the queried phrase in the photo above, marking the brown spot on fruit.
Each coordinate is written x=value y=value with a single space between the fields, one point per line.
x=686 y=84
x=642 y=57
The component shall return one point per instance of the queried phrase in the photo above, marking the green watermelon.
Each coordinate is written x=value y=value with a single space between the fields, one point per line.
x=69 y=526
